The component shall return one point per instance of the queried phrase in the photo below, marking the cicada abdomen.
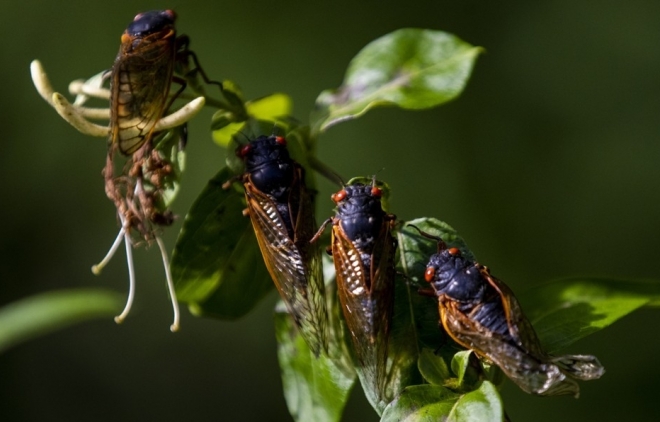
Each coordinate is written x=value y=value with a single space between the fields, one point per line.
x=281 y=209
x=481 y=313
x=363 y=250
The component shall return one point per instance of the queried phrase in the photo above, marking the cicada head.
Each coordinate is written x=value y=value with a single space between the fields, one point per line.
x=453 y=274
x=360 y=213
x=149 y=26
x=268 y=164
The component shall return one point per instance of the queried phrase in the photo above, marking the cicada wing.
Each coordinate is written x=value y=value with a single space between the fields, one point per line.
x=367 y=309
x=520 y=328
x=382 y=275
x=140 y=85
x=285 y=265
x=583 y=367
x=531 y=374
x=301 y=207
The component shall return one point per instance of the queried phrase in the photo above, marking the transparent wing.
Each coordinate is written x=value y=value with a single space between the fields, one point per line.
x=583 y=367
x=531 y=374
x=140 y=84
x=367 y=308
x=519 y=326
x=289 y=269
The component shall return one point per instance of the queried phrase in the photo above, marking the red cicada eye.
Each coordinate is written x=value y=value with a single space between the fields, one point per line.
x=377 y=192
x=454 y=251
x=138 y=16
x=429 y=274
x=339 y=196
x=244 y=151
x=280 y=140
x=171 y=13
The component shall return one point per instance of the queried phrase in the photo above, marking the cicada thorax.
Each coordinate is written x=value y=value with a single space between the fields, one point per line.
x=363 y=250
x=481 y=313
x=140 y=79
x=281 y=209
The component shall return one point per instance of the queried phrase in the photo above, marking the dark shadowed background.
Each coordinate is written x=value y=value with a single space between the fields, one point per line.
x=547 y=165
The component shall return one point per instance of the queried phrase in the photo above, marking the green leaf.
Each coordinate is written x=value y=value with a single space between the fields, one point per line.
x=315 y=389
x=433 y=368
x=564 y=311
x=216 y=266
x=46 y=312
x=483 y=404
x=409 y=68
x=421 y=403
x=272 y=108
x=467 y=368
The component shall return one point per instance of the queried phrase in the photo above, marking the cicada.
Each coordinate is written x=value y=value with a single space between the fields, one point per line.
x=481 y=313
x=142 y=75
x=363 y=250
x=281 y=209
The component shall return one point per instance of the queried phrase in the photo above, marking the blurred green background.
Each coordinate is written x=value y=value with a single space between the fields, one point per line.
x=547 y=166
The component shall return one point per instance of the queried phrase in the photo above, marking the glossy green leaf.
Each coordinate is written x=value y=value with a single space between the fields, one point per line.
x=564 y=311
x=216 y=265
x=409 y=68
x=46 y=312
x=427 y=403
x=315 y=389
x=421 y=403
x=481 y=405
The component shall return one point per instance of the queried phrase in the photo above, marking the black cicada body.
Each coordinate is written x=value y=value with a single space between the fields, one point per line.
x=363 y=250
x=481 y=313
x=141 y=78
x=282 y=213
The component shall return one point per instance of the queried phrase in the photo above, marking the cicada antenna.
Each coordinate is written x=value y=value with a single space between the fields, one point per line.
x=441 y=243
x=247 y=138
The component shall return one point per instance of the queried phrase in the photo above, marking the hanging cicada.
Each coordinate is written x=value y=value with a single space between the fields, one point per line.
x=150 y=58
x=142 y=75
x=363 y=250
x=481 y=313
x=281 y=209
x=140 y=82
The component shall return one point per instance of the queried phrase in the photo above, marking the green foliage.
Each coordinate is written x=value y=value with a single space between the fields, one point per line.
x=216 y=265
x=409 y=68
x=315 y=389
x=564 y=311
x=46 y=312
